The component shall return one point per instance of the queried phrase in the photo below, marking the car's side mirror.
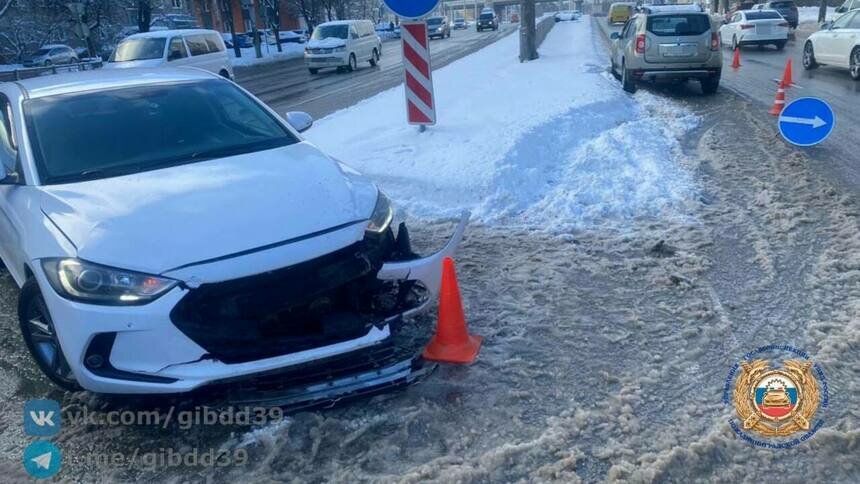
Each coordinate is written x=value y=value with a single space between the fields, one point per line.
x=827 y=26
x=614 y=36
x=840 y=9
x=300 y=121
x=9 y=177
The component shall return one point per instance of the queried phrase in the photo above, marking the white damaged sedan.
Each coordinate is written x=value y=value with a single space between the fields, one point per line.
x=169 y=231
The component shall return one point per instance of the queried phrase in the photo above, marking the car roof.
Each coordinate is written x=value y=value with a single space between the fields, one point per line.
x=663 y=9
x=102 y=79
x=759 y=10
x=168 y=33
x=342 y=22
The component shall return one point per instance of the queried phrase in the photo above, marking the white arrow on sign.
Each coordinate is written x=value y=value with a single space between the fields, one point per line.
x=815 y=123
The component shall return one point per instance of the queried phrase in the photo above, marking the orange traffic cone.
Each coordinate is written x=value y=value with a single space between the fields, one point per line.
x=736 y=60
x=452 y=342
x=779 y=102
x=786 y=75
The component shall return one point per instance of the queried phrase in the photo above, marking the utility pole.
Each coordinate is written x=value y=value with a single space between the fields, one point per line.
x=528 y=44
x=252 y=13
x=227 y=15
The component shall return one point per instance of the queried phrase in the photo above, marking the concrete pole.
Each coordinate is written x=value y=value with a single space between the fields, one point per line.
x=528 y=44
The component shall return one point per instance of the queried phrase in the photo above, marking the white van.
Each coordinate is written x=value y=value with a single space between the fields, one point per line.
x=342 y=44
x=175 y=48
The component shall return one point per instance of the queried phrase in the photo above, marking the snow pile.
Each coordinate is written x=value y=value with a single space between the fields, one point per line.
x=555 y=141
x=810 y=14
x=291 y=50
x=10 y=67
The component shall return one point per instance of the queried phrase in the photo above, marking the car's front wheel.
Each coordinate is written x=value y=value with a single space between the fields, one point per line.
x=353 y=65
x=854 y=68
x=37 y=328
x=374 y=58
x=809 y=57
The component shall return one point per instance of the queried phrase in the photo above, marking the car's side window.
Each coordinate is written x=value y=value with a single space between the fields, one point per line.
x=177 y=49
x=8 y=147
x=842 y=22
x=197 y=45
x=855 y=22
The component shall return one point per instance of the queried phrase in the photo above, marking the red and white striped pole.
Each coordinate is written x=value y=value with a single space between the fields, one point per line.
x=420 y=106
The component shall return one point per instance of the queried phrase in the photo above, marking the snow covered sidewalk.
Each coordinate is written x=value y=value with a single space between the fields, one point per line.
x=552 y=143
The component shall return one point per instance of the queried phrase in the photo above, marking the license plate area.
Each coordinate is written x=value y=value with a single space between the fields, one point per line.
x=764 y=29
x=678 y=50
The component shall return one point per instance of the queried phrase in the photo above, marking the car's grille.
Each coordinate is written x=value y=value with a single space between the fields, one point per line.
x=321 y=51
x=316 y=303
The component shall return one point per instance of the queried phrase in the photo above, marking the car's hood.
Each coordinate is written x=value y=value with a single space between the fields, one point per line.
x=162 y=219
x=135 y=63
x=326 y=43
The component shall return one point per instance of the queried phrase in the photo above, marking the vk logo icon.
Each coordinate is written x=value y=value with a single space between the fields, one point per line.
x=42 y=418
x=42 y=459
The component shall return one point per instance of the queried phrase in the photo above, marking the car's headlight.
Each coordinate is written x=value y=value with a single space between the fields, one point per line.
x=87 y=282
x=382 y=216
x=339 y=49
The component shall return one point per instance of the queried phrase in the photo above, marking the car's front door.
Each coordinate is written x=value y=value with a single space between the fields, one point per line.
x=827 y=48
x=177 y=54
x=846 y=39
x=10 y=224
x=621 y=43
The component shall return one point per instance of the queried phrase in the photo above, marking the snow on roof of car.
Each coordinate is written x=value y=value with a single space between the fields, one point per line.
x=53 y=46
x=342 y=22
x=167 y=33
x=103 y=79
x=658 y=9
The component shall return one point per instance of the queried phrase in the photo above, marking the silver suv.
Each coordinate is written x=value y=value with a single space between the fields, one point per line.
x=668 y=43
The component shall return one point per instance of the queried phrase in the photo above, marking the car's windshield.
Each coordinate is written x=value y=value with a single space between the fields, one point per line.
x=128 y=130
x=434 y=21
x=679 y=24
x=139 y=49
x=41 y=52
x=486 y=16
x=763 y=15
x=331 y=31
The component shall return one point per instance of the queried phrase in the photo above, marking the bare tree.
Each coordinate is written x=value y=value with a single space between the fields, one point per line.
x=822 y=11
x=5 y=8
x=144 y=15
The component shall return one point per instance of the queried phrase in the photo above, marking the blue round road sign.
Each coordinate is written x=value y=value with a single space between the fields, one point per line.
x=806 y=121
x=411 y=8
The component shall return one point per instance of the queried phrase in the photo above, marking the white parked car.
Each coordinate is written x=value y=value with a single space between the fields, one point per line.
x=836 y=44
x=342 y=44
x=199 y=48
x=168 y=231
x=755 y=27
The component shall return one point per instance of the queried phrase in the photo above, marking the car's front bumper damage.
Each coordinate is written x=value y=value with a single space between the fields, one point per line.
x=145 y=350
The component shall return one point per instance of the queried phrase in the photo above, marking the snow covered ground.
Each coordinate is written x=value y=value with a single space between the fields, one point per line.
x=270 y=53
x=551 y=143
x=10 y=67
x=810 y=14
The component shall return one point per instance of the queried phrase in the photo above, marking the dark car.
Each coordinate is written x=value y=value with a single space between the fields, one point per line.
x=487 y=20
x=438 y=27
x=243 y=40
x=786 y=8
